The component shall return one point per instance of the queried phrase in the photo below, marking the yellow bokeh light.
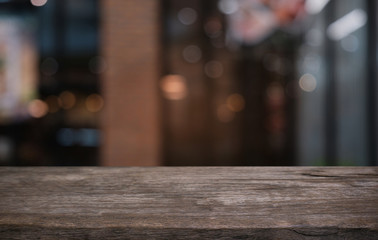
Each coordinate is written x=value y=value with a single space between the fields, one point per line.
x=67 y=100
x=94 y=103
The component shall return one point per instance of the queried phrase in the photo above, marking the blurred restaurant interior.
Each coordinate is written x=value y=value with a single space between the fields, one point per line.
x=188 y=83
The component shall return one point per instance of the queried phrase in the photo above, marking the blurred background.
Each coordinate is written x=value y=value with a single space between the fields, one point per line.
x=188 y=82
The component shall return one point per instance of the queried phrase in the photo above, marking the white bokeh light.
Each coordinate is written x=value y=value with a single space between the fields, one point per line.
x=38 y=3
x=307 y=82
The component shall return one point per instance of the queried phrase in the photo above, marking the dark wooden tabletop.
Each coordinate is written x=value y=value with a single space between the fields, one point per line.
x=189 y=203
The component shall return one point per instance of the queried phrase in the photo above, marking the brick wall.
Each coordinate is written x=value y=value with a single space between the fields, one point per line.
x=130 y=43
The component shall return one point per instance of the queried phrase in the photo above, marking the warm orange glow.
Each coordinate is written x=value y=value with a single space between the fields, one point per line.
x=235 y=102
x=174 y=87
x=37 y=108
x=94 y=103
x=67 y=100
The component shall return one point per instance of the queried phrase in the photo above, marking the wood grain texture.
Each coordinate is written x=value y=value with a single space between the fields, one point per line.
x=189 y=203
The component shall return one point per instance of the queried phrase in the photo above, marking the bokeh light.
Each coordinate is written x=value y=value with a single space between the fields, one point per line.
x=192 y=53
x=173 y=87
x=187 y=16
x=307 y=82
x=49 y=66
x=94 y=103
x=67 y=100
x=350 y=43
x=97 y=65
x=276 y=94
x=213 y=28
x=38 y=3
x=214 y=69
x=37 y=108
x=235 y=102
x=228 y=6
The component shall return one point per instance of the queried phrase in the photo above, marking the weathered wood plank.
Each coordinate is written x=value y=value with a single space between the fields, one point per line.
x=189 y=203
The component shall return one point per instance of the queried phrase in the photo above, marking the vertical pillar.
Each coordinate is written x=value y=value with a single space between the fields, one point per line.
x=130 y=46
x=331 y=144
x=372 y=101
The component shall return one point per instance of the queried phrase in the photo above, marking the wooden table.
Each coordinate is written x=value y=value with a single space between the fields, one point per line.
x=189 y=203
